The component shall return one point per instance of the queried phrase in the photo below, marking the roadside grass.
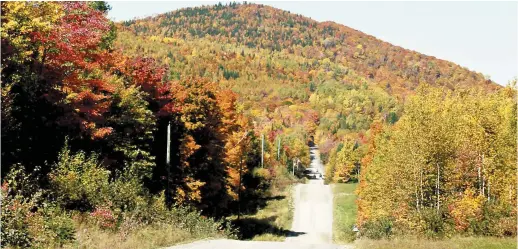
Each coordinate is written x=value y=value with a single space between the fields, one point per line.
x=344 y=212
x=270 y=223
x=145 y=237
x=173 y=226
x=453 y=243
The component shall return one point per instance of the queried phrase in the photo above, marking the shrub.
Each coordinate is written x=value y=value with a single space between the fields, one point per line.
x=15 y=229
x=263 y=173
x=498 y=220
x=433 y=224
x=78 y=181
x=60 y=227
x=18 y=199
x=104 y=218
x=29 y=221
x=126 y=193
x=377 y=229
x=466 y=210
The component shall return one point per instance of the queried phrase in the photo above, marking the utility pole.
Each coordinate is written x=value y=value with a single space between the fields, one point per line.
x=296 y=162
x=293 y=168
x=168 y=162
x=358 y=173
x=239 y=188
x=262 y=151
x=240 y=170
x=279 y=149
x=168 y=153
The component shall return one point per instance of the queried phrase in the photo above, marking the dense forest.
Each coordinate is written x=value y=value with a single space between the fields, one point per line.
x=88 y=110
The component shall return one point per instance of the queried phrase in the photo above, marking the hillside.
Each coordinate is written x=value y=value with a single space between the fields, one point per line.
x=164 y=130
x=392 y=119
x=262 y=27
x=293 y=75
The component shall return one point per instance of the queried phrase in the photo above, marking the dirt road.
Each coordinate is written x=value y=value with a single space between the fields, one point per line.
x=313 y=218
x=312 y=222
x=239 y=244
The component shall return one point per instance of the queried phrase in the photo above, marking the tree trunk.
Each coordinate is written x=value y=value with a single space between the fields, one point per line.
x=421 y=185
x=262 y=150
x=479 y=180
x=416 y=191
x=438 y=187
x=488 y=193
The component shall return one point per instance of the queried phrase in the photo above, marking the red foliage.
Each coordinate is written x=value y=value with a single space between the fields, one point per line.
x=146 y=73
x=72 y=59
x=104 y=218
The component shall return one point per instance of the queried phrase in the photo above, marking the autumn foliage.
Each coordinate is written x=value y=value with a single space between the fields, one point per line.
x=91 y=122
x=446 y=167
x=242 y=90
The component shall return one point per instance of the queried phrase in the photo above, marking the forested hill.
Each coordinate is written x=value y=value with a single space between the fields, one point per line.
x=262 y=27
x=114 y=130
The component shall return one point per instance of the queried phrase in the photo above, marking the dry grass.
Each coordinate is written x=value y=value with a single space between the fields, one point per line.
x=141 y=238
x=273 y=221
x=281 y=214
x=453 y=243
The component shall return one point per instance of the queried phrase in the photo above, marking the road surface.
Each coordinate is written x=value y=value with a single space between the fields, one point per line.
x=313 y=217
x=312 y=222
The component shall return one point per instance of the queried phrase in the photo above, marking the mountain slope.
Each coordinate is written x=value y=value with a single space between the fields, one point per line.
x=260 y=26
x=298 y=79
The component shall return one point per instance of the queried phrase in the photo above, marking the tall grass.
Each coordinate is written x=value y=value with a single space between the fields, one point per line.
x=146 y=237
x=453 y=243
x=272 y=220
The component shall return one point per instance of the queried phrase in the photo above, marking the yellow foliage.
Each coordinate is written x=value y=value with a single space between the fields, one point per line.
x=342 y=174
x=20 y=19
x=154 y=38
x=467 y=209
x=188 y=148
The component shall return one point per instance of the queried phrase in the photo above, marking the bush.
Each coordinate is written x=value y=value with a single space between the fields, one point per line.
x=377 y=229
x=78 y=181
x=29 y=221
x=121 y=206
x=467 y=210
x=498 y=220
x=126 y=193
x=60 y=227
x=18 y=199
x=15 y=228
x=104 y=218
x=433 y=224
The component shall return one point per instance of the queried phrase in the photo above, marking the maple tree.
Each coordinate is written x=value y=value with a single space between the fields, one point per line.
x=53 y=66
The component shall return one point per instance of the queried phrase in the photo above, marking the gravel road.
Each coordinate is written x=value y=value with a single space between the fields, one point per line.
x=312 y=222
x=313 y=218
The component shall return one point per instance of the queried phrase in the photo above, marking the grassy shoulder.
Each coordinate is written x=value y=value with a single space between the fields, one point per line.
x=145 y=237
x=175 y=226
x=344 y=212
x=452 y=243
x=273 y=221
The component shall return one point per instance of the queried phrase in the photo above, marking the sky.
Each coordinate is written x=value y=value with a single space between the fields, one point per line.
x=481 y=36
